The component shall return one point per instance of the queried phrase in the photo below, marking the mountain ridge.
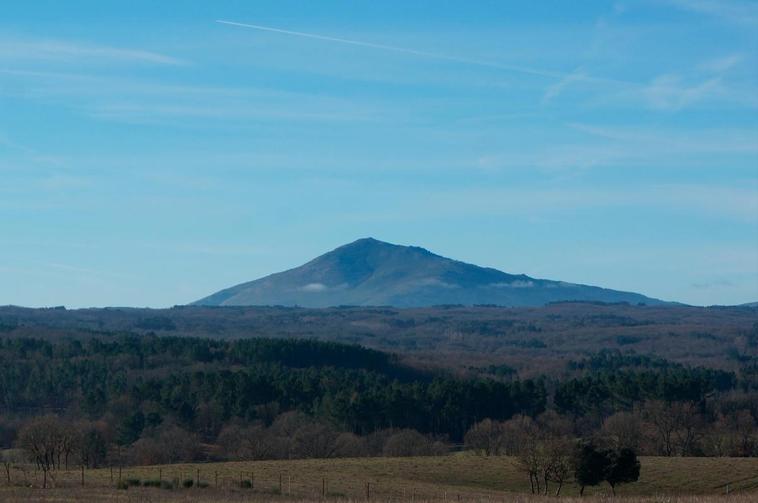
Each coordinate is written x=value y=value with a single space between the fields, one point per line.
x=372 y=272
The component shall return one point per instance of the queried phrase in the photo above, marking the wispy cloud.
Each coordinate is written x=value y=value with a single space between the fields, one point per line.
x=737 y=204
x=313 y=287
x=708 y=81
x=140 y=101
x=669 y=92
x=541 y=72
x=736 y=11
x=64 y=51
x=625 y=148
x=556 y=89
x=63 y=182
x=722 y=64
x=718 y=283
x=93 y=273
x=655 y=141
x=208 y=248
x=392 y=48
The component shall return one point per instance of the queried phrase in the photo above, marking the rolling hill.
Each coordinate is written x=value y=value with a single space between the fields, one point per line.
x=369 y=272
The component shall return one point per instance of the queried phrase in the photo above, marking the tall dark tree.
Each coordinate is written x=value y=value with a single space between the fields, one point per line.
x=591 y=466
x=93 y=448
x=624 y=468
x=131 y=428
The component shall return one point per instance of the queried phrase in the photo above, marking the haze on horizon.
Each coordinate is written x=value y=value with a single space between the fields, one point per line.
x=150 y=155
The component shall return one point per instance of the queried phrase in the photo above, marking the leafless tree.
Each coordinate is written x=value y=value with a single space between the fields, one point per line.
x=731 y=434
x=531 y=460
x=688 y=426
x=350 y=445
x=40 y=437
x=285 y=426
x=167 y=444
x=485 y=437
x=677 y=426
x=558 y=463
x=410 y=443
x=258 y=442
x=10 y=458
x=545 y=448
x=314 y=440
x=744 y=426
x=523 y=437
x=623 y=430
x=659 y=416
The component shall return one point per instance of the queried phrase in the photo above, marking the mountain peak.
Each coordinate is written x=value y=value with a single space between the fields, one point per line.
x=373 y=272
x=364 y=242
x=370 y=243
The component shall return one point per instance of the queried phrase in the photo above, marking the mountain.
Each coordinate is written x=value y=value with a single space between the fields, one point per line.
x=369 y=272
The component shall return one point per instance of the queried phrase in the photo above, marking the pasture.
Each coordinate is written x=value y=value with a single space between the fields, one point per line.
x=461 y=477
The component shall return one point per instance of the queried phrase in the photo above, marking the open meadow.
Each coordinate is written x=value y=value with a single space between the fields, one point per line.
x=462 y=477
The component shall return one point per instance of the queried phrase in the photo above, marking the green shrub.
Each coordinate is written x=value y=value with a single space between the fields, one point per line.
x=133 y=482
x=188 y=483
x=122 y=484
x=151 y=483
x=165 y=484
x=246 y=484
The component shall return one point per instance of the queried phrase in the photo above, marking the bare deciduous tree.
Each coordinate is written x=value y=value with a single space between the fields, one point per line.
x=663 y=424
x=410 y=443
x=314 y=440
x=623 y=430
x=41 y=437
x=10 y=458
x=545 y=449
x=485 y=437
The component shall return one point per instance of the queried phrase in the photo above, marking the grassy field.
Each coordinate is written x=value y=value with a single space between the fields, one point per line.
x=464 y=477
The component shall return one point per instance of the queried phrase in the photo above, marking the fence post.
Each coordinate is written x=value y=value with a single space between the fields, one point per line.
x=368 y=491
x=216 y=477
x=160 y=476
x=323 y=488
x=252 y=480
x=111 y=474
x=82 y=475
x=280 y=483
x=198 y=478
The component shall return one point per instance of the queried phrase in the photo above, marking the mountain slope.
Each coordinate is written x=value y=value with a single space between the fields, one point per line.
x=370 y=272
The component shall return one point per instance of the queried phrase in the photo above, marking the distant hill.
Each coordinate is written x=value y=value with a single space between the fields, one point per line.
x=369 y=272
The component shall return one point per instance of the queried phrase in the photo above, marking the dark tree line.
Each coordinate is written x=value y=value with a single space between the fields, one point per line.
x=606 y=391
x=158 y=398
x=202 y=384
x=593 y=466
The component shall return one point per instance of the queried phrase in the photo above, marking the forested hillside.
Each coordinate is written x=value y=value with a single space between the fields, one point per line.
x=528 y=341
x=202 y=384
x=146 y=398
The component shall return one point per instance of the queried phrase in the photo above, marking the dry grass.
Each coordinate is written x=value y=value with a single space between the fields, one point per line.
x=198 y=496
x=450 y=478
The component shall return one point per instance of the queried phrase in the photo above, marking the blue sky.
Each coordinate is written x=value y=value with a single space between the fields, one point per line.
x=150 y=156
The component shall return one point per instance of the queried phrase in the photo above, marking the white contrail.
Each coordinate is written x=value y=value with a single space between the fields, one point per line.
x=488 y=64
